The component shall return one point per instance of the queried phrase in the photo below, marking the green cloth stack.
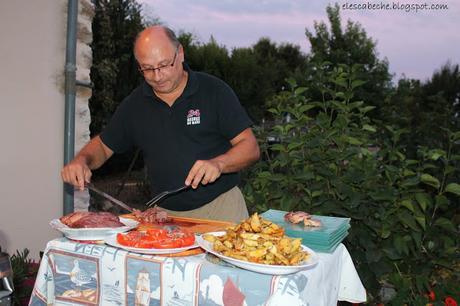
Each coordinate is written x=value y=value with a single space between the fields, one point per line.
x=323 y=239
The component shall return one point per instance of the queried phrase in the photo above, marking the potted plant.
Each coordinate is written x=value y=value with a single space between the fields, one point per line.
x=24 y=274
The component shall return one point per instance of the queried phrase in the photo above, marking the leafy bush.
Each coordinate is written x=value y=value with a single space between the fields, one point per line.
x=331 y=159
x=24 y=274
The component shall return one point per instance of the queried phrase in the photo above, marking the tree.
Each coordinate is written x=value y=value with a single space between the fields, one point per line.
x=404 y=217
x=243 y=79
x=257 y=73
x=350 y=46
x=425 y=110
x=402 y=109
x=191 y=47
x=254 y=73
x=444 y=88
x=114 y=71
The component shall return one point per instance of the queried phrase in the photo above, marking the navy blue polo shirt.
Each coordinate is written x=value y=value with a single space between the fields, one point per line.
x=199 y=125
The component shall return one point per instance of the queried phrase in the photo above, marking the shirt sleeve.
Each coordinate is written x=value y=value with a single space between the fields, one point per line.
x=233 y=118
x=116 y=135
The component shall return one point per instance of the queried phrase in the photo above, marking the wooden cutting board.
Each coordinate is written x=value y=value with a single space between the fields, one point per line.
x=195 y=225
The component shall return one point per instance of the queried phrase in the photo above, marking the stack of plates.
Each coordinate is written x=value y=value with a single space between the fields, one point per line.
x=322 y=239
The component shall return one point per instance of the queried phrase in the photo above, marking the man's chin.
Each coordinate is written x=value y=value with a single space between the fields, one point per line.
x=160 y=88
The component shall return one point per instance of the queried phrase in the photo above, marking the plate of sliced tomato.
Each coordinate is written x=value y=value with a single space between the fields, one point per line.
x=154 y=241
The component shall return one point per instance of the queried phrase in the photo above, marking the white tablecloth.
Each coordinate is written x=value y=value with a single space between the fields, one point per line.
x=73 y=273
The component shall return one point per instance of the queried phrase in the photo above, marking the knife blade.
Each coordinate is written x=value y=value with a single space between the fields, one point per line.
x=109 y=197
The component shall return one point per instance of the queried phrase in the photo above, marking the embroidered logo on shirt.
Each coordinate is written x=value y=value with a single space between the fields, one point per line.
x=193 y=117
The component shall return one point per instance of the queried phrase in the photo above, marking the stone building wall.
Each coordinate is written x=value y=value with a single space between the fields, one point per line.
x=82 y=112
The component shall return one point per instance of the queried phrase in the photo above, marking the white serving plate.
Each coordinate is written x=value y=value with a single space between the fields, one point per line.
x=93 y=233
x=112 y=240
x=256 y=267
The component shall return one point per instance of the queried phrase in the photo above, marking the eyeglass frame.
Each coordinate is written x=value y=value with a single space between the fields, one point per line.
x=152 y=70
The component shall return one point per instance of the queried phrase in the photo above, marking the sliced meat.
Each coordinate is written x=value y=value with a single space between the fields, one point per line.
x=152 y=215
x=296 y=216
x=73 y=217
x=312 y=223
x=299 y=216
x=91 y=220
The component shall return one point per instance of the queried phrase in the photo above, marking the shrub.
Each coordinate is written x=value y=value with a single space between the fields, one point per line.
x=333 y=160
x=24 y=274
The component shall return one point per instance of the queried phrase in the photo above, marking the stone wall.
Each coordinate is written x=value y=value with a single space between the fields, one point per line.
x=82 y=112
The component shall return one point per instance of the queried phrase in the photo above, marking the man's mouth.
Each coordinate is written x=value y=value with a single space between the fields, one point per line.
x=162 y=84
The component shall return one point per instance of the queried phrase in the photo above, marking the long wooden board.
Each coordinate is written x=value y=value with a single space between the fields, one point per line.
x=196 y=225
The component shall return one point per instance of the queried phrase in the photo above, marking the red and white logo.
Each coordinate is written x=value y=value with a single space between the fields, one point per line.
x=193 y=117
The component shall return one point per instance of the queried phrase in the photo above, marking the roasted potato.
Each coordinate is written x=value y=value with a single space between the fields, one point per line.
x=260 y=241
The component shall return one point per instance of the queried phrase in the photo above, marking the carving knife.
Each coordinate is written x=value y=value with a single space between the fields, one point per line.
x=109 y=197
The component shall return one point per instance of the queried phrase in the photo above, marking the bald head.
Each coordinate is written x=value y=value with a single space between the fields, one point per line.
x=154 y=38
x=160 y=57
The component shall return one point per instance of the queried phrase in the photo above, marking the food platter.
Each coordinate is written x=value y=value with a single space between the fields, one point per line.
x=311 y=261
x=92 y=233
x=112 y=241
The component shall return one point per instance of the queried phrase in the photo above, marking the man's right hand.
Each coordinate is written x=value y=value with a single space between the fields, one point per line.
x=92 y=156
x=77 y=173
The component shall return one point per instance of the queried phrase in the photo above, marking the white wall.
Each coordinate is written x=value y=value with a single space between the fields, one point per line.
x=32 y=59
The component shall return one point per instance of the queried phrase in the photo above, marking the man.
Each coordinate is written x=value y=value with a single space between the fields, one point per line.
x=190 y=126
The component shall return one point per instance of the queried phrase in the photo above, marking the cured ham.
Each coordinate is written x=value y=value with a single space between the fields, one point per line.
x=301 y=216
x=86 y=219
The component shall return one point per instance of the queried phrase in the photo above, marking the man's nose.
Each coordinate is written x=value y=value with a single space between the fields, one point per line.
x=156 y=75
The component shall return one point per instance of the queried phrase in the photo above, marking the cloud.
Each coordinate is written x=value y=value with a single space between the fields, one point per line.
x=238 y=6
x=229 y=24
x=415 y=43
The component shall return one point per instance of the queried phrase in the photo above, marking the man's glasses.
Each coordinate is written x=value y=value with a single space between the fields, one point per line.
x=152 y=70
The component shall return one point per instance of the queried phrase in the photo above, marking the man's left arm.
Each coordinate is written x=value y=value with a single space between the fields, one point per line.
x=244 y=152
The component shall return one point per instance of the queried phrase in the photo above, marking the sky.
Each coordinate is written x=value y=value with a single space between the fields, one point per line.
x=416 y=36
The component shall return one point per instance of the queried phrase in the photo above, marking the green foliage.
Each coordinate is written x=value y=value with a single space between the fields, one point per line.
x=255 y=73
x=425 y=109
x=114 y=70
x=352 y=46
x=24 y=273
x=209 y=57
x=332 y=159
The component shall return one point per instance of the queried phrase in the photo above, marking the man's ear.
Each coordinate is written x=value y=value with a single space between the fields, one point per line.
x=181 y=53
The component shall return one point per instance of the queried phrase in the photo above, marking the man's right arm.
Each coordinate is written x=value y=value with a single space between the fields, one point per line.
x=91 y=156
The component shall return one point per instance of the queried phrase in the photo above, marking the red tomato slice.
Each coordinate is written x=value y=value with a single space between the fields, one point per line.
x=157 y=238
x=185 y=237
x=145 y=244
x=166 y=244
x=188 y=240
x=130 y=239
x=156 y=233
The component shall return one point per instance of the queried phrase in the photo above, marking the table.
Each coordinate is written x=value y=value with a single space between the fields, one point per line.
x=73 y=273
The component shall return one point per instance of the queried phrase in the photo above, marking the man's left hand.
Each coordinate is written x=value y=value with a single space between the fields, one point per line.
x=204 y=172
